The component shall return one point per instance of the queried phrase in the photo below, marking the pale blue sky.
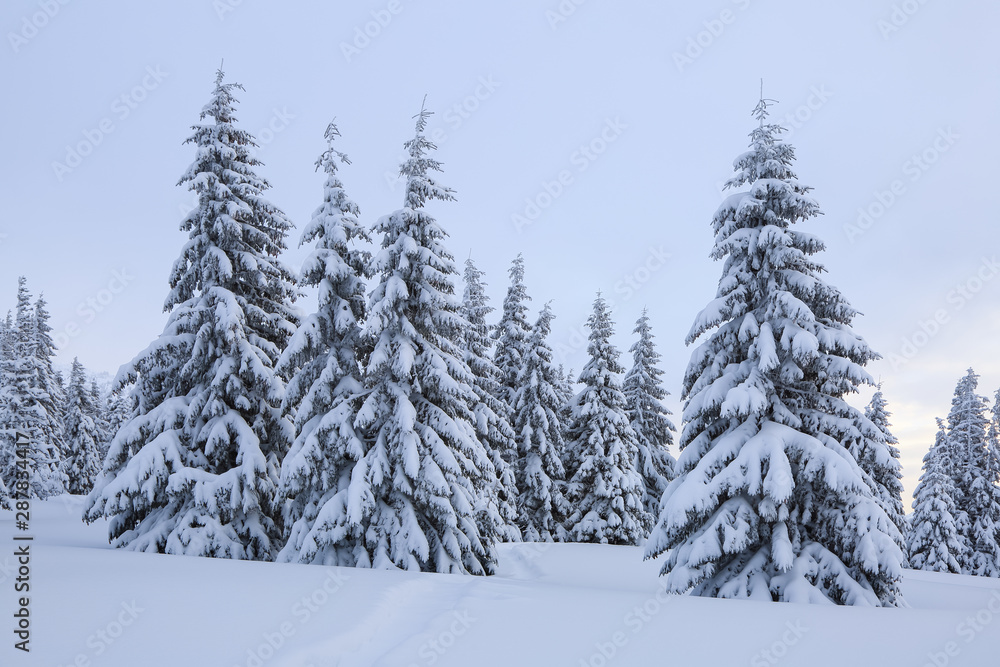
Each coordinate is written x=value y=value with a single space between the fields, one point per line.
x=531 y=91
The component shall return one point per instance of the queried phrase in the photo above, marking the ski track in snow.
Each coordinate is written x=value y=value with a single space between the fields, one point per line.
x=357 y=644
x=415 y=611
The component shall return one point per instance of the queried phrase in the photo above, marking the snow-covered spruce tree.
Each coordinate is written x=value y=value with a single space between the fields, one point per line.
x=8 y=458
x=82 y=436
x=195 y=471
x=325 y=391
x=26 y=404
x=933 y=541
x=565 y=385
x=876 y=453
x=566 y=382
x=541 y=506
x=512 y=331
x=967 y=439
x=119 y=409
x=98 y=412
x=7 y=453
x=492 y=413
x=768 y=504
x=984 y=501
x=425 y=471
x=604 y=489
x=644 y=393
x=47 y=381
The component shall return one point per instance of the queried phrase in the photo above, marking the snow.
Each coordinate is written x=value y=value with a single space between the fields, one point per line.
x=549 y=604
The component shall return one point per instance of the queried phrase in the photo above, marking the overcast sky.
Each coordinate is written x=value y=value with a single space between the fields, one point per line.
x=606 y=126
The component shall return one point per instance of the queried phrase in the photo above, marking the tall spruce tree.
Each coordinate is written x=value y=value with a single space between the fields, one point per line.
x=326 y=390
x=425 y=471
x=542 y=506
x=967 y=439
x=768 y=503
x=492 y=413
x=566 y=382
x=512 y=331
x=877 y=455
x=984 y=500
x=8 y=458
x=99 y=413
x=81 y=433
x=7 y=453
x=644 y=393
x=195 y=471
x=565 y=390
x=119 y=409
x=48 y=382
x=604 y=489
x=26 y=403
x=933 y=540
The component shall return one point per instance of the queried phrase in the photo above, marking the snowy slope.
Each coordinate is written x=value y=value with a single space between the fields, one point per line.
x=567 y=605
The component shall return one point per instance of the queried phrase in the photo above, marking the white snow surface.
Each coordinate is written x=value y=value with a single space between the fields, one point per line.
x=549 y=604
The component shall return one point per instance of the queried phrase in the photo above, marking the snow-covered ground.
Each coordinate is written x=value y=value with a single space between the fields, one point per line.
x=572 y=605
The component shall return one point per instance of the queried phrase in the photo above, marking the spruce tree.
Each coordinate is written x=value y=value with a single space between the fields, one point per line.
x=603 y=487
x=984 y=499
x=542 y=506
x=425 y=469
x=99 y=413
x=324 y=393
x=82 y=459
x=967 y=439
x=48 y=382
x=492 y=413
x=565 y=386
x=876 y=453
x=195 y=471
x=8 y=458
x=768 y=504
x=644 y=393
x=26 y=403
x=119 y=409
x=933 y=540
x=512 y=331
